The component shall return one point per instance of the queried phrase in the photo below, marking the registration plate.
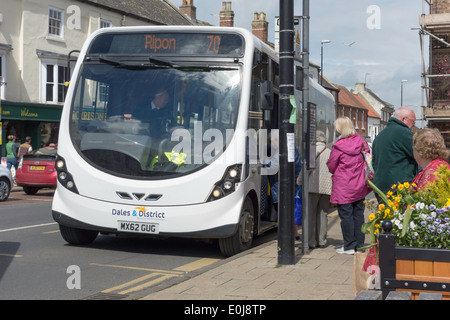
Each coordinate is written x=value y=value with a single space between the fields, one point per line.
x=140 y=227
x=37 y=168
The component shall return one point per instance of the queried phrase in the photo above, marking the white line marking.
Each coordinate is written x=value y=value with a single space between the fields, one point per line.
x=28 y=227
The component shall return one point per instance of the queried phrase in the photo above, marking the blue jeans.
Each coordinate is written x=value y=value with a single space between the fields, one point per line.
x=12 y=162
x=352 y=218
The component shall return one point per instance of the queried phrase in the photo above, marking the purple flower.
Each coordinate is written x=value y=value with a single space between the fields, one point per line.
x=423 y=223
x=431 y=228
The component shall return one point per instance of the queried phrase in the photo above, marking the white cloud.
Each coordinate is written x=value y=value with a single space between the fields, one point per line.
x=389 y=54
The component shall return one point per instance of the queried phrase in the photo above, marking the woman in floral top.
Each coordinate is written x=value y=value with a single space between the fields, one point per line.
x=429 y=152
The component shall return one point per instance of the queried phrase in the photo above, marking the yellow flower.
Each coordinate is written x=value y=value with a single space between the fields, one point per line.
x=371 y=217
x=393 y=186
x=406 y=184
x=381 y=206
x=400 y=187
x=389 y=194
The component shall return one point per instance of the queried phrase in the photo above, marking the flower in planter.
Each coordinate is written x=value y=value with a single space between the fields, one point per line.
x=420 y=218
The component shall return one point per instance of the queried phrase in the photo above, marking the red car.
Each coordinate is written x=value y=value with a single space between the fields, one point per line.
x=37 y=170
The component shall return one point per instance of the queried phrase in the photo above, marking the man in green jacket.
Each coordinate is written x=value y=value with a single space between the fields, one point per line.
x=393 y=158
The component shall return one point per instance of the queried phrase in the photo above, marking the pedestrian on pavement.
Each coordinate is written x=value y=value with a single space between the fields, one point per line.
x=393 y=157
x=319 y=183
x=349 y=187
x=430 y=153
x=11 y=154
x=24 y=148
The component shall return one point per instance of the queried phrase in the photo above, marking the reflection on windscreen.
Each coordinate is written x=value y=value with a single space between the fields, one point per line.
x=124 y=119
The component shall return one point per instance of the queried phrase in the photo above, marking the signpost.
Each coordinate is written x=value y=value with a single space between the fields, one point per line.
x=286 y=251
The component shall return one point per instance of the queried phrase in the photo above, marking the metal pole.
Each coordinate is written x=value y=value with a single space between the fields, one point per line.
x=286 y=251
x=321 y=63
x=305 y=136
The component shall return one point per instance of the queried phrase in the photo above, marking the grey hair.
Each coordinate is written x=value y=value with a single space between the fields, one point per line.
x=320 y=136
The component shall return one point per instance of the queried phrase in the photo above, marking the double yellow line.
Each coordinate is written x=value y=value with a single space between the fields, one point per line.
x=156 y=275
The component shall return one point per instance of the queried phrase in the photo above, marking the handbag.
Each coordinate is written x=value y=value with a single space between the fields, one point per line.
x=369 y=173
x=298 y=207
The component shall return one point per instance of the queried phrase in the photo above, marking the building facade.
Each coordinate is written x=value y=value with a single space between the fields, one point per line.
x=36 y=37
x=384 y=109
x=435 y=24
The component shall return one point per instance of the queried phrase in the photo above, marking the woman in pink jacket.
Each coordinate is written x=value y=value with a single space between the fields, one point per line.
x=349 y=188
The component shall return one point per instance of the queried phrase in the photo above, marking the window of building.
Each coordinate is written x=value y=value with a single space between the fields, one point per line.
x=55 y=22
x=105 y=23
x=54 y=78
x=363 y=119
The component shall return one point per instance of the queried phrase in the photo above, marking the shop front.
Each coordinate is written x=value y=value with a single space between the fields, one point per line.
x=36 y=120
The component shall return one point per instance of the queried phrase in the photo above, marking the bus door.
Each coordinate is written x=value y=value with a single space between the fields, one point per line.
x=262 y=119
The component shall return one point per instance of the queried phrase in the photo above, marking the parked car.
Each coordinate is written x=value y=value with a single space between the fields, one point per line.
x=37 y=170
x=6 y=183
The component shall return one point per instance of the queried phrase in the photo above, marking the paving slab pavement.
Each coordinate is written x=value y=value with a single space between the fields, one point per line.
x=320 y=274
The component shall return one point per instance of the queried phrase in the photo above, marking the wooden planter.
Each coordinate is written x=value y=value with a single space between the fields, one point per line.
x=412 y=269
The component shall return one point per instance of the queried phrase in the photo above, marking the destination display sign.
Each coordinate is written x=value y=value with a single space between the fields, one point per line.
x=207 y=44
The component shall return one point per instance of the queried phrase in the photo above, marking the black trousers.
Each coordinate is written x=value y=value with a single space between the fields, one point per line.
x=352 y=218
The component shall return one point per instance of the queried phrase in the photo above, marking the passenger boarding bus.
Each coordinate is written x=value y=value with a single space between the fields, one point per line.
x=165 y=132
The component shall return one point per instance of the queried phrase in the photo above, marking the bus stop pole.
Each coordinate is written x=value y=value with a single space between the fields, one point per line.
x=286 y=251
x=305 y=133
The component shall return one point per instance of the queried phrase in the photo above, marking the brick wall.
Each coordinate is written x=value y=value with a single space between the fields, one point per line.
x=440 y=6
x=440 y=62
x=260 y=27
x=226 y=15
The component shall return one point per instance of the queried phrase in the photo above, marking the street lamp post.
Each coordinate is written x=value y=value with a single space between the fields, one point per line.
x=401 y=91
x=321 y=58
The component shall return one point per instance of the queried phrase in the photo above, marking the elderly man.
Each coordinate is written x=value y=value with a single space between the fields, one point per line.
x=393 y=158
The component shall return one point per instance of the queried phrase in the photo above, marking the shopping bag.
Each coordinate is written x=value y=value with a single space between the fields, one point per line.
x=298 y=207
x=360 y=276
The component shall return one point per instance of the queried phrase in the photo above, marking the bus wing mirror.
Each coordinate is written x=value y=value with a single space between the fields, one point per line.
x=266 y=95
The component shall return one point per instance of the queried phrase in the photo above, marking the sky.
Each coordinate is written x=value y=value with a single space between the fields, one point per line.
x=384 y=52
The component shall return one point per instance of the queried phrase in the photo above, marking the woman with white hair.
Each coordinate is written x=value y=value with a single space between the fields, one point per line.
x=349 y=187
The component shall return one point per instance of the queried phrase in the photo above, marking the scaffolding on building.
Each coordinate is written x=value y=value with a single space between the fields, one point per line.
x=435 y=25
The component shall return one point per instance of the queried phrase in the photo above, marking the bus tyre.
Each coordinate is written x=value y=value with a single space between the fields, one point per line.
x=243 y=237
x=77 y=236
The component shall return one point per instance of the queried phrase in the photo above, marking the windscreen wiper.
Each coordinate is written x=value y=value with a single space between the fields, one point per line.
x=119 y=64
x=187 y=67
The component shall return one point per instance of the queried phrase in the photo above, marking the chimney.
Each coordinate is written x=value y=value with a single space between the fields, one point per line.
x=260 y=27
x=188 y=8
x=226 y=15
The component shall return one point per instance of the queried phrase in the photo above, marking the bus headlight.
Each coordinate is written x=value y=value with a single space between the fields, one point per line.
x=64 y=177
x=227 y=184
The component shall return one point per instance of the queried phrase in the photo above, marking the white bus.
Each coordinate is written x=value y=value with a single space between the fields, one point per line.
x=157 y=135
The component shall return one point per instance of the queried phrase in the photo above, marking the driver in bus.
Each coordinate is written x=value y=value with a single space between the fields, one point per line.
x=157 y=114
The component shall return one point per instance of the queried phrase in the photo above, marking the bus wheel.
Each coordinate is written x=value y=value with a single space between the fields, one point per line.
x=243 y=237
x=77 y=236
